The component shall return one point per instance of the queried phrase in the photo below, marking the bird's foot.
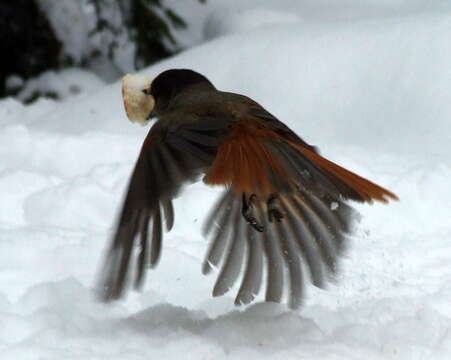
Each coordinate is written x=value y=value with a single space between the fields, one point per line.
x=248 y=214
x=273 y=212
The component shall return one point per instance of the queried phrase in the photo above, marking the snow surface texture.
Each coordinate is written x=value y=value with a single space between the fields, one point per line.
x=372 y=92
x=63 y=84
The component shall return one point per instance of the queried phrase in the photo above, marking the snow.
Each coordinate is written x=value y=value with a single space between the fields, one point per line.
x=62 y=84
x=77 y=29
x=229 y=21
x=368 y=83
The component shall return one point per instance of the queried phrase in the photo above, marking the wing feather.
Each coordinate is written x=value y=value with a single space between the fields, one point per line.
x=168 y=159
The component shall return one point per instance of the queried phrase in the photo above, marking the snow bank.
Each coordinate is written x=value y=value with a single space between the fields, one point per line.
x=381 y=84
x=371 y=91
x=226 y=21
x=61 y=84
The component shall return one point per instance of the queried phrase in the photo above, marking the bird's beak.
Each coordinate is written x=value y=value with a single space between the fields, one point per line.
x=138 y=101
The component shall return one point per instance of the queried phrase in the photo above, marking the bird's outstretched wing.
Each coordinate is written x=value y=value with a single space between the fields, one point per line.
x=170 y=156
x=298 y=200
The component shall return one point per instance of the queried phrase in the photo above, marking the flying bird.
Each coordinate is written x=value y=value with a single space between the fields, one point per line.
x=283 y=219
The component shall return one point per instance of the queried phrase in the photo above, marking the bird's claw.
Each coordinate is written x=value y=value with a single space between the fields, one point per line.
x=248 y=215
x=273 y=211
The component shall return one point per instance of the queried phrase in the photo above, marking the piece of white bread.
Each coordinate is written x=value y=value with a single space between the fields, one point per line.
x=138 y=105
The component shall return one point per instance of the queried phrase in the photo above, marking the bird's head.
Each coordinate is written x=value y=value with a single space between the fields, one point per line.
x=144 y=98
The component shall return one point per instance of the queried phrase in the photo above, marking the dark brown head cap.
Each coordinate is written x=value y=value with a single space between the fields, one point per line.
x=171 y=83
x=144 y=98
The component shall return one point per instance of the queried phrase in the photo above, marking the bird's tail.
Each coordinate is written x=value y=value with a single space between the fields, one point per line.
x=360 y=189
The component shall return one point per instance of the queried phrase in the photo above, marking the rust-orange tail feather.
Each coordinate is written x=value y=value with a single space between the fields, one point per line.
x=367 y=190
x=245 y=163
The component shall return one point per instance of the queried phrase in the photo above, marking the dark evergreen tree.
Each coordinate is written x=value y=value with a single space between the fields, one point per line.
x=27 y=42
x=30 y=44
